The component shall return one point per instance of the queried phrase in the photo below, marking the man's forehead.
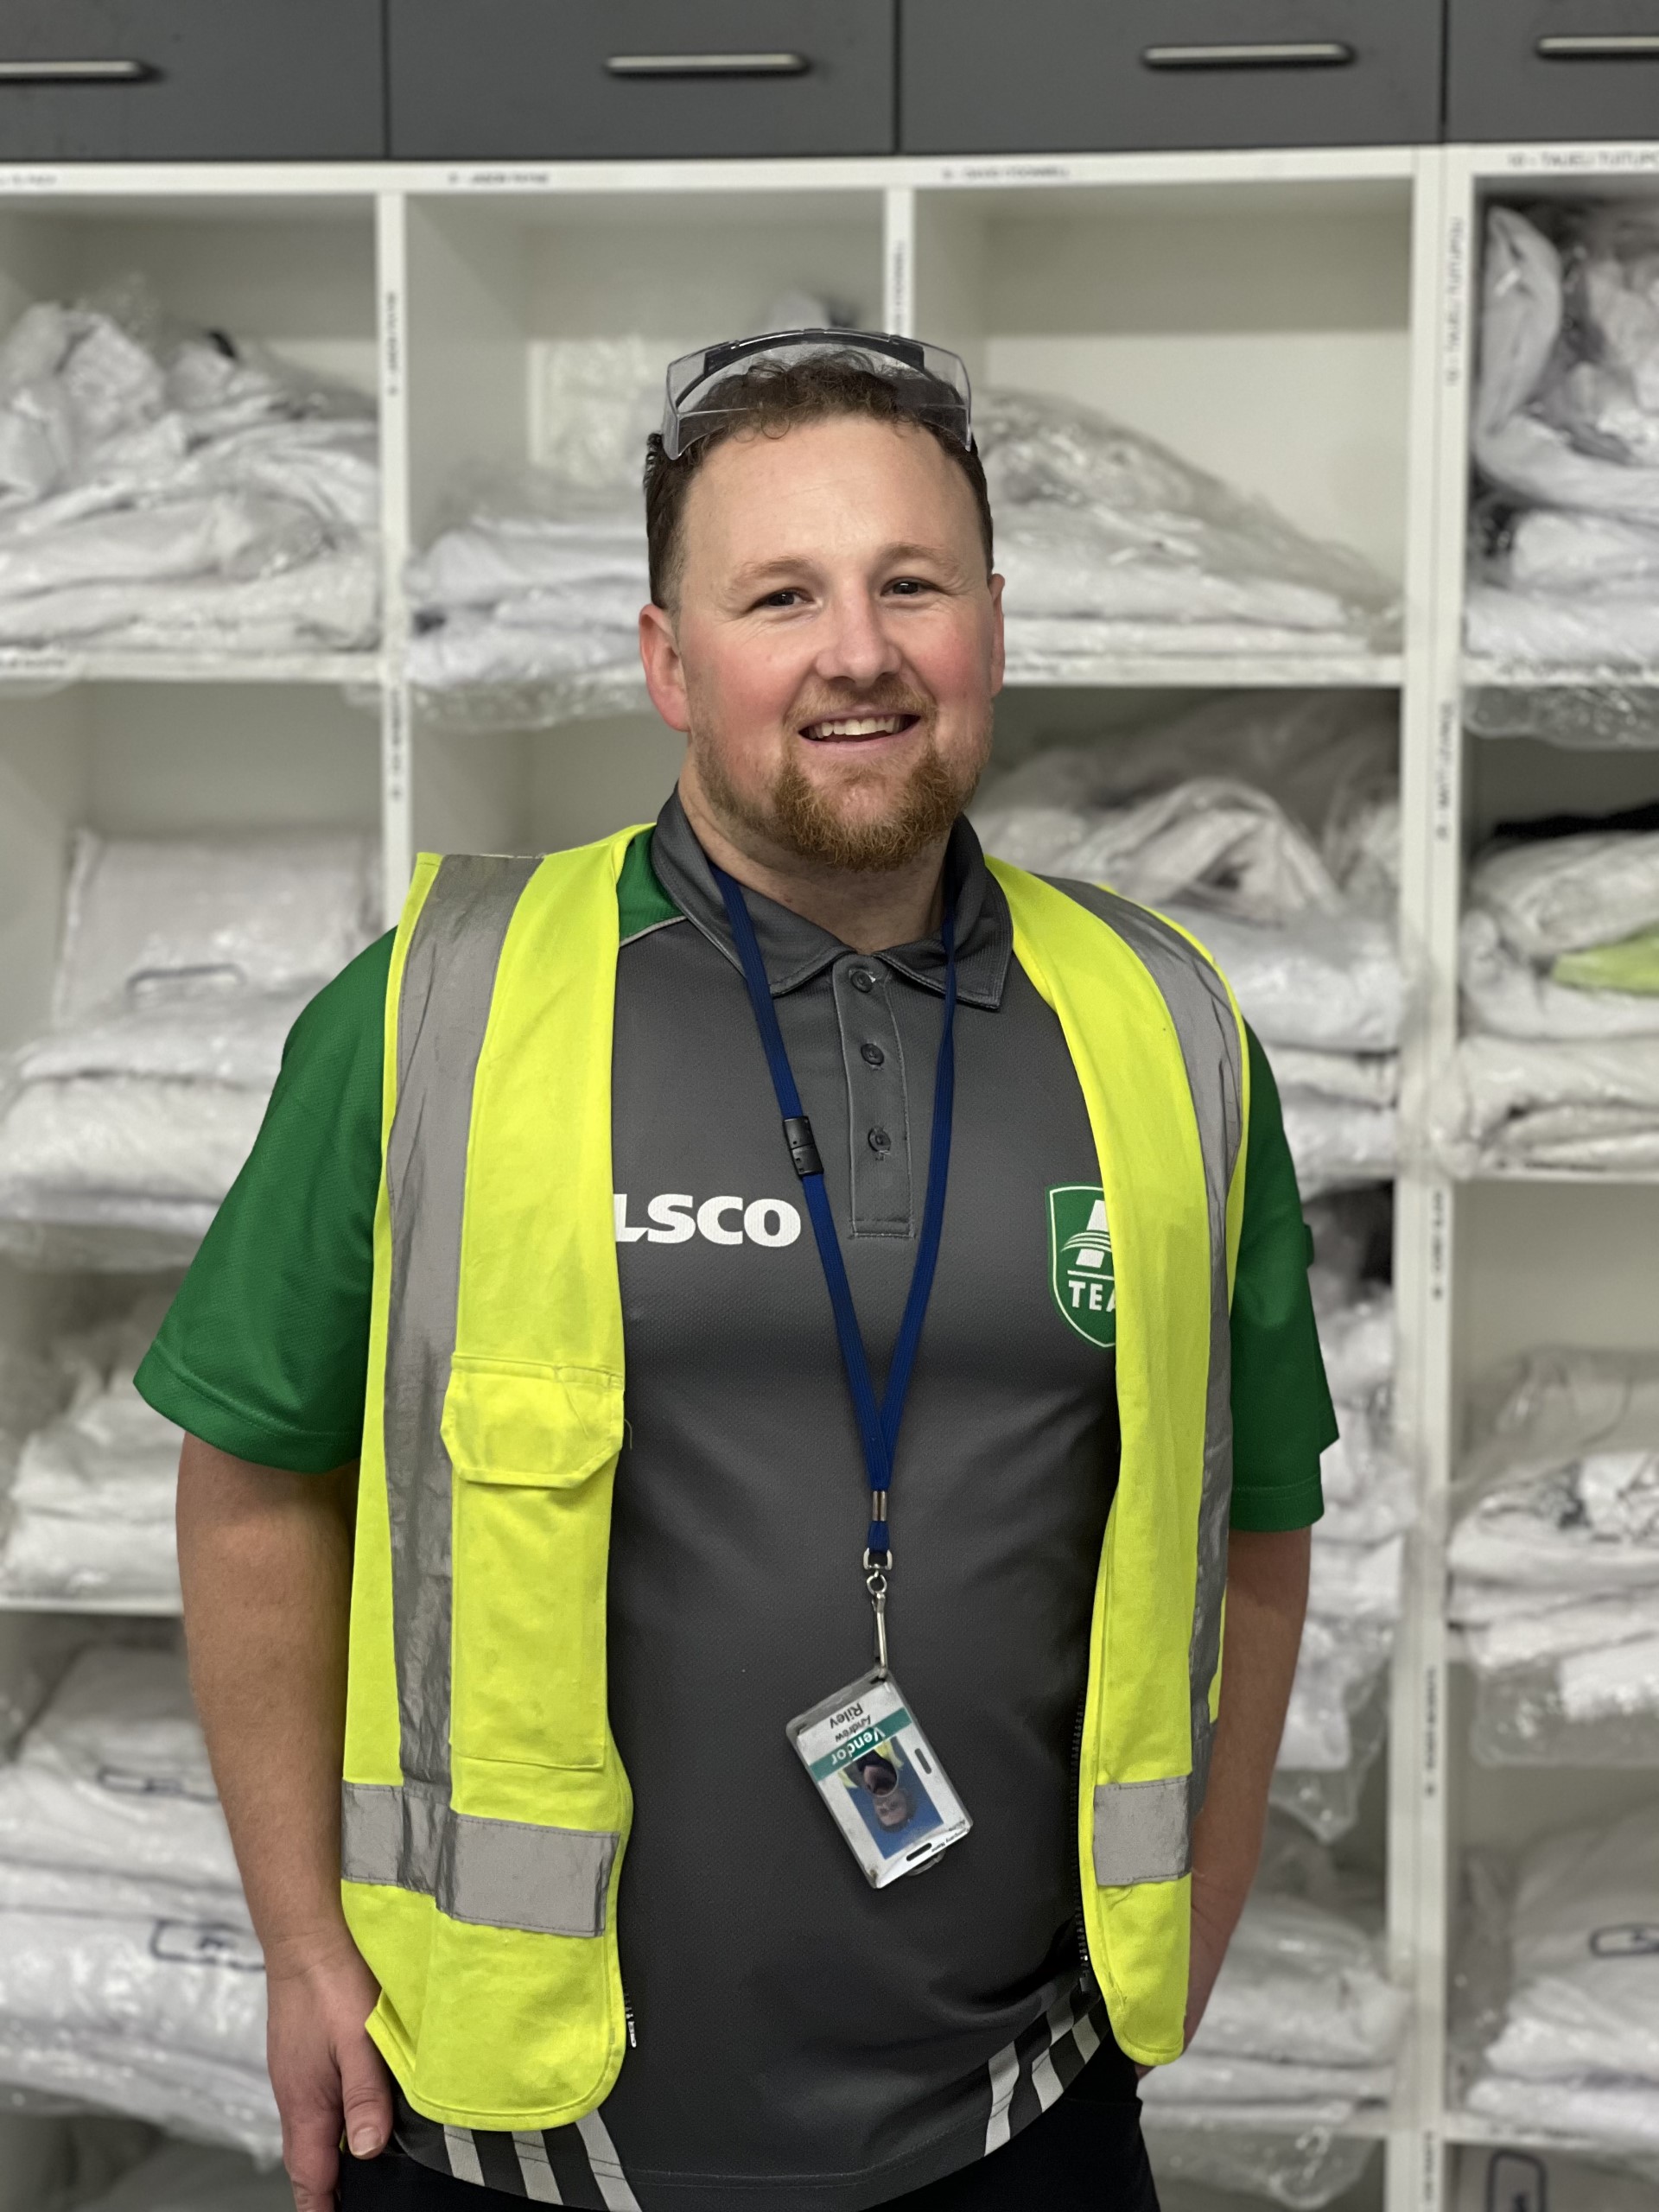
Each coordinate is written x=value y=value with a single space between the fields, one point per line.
x=889 y=477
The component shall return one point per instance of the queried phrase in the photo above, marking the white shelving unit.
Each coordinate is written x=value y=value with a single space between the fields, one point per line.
x=1301 y=323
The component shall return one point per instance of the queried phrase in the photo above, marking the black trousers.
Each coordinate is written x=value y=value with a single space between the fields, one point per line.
x=1084 y=2155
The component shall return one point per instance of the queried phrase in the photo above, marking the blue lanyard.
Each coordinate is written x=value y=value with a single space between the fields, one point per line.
x=878 y=1426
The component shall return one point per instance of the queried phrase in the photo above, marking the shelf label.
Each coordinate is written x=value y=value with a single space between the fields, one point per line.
x=36 y=662
x=513 y=180
x=31 y=180
x=1453 y=335
x=391 y=341
x=1579 y=160
x=1006 y=172
x=1448 y=735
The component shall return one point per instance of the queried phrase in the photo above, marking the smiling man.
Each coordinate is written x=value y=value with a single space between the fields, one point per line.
x=756 y=1261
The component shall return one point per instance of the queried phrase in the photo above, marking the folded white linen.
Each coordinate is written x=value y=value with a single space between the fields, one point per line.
x=331 y=604
x=481 y=648
x=1043 y=649
x=1213 y=839
x=224 y=1036
x=113 y=1777
x=187 y=2177
x=1352 y=1079
x=213 y=2099
x=498 y=557
x=266 y=911
x=105 y=1149
x=1338 y=1659
x=1591 y=1105
x=1356 y=1338
x=196 y=1988
x=1617 y=1678
x=1528 y=1634
x=1610 y=2112
x=1330 y=982
x=1584 y=1996
x=1620 y=624
x=1336 y=1145
x=1097 y=521
x=1359 y=1582
x=83 y=1893
x=1561 y=554
x=1368 y=1492
x=1506 y=994
x=1590 y=1525
x=1550 y=895
x=1301 y=1986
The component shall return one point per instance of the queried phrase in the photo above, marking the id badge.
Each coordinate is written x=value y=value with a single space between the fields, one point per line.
x=876 y=1772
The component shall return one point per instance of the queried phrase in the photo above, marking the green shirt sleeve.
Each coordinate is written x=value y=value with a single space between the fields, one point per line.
x=265 y=1351
x=1282 y=1415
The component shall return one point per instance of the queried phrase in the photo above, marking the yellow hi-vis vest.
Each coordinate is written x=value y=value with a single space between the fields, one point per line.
x=485 y=1808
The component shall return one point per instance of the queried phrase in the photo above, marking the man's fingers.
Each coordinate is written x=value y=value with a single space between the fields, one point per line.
x=366 y=2095
x=311 y=2200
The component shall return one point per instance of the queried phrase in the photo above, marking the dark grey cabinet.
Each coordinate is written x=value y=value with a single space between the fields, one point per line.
x=637 y=79
x=1073 y=76
x=1559 y=69
x=192 y=80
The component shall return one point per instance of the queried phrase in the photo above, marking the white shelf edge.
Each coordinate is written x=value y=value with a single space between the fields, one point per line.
x=1594 y=1178
x=1230 y=672
x=1474 y=2129
x=29 y=671
x=162 y=1608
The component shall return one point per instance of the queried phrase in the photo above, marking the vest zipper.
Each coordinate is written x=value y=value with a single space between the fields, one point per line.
x=1080 y=1922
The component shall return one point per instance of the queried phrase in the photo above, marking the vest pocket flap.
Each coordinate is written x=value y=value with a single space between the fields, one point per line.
x=541 y=1427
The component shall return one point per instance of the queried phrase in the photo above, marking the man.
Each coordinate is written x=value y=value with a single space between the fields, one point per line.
x=640 y=1365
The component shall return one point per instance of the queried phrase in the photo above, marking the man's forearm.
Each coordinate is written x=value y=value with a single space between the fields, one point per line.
x=265 y=1559
x=1267 y=1599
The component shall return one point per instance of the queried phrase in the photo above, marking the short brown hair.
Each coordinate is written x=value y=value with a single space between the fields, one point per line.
x=773 y=396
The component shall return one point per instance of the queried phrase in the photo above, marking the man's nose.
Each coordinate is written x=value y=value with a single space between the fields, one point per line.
x=854 y=646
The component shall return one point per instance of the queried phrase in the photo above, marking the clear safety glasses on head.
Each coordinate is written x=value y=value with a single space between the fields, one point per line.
x=931 y=383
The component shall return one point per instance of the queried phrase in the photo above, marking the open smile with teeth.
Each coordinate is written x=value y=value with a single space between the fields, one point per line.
x=854 y=726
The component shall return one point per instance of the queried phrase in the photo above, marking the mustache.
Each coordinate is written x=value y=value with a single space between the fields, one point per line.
x=887 y=694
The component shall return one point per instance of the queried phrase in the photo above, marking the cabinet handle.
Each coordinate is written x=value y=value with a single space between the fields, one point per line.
x=1301 y=54
x=1599 y=46
x=708 y=64
x=75 y=72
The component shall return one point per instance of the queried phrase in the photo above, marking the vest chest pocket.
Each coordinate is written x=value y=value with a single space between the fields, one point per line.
x=534 y=1450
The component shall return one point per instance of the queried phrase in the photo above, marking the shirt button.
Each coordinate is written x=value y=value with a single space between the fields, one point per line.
x=860 y=979
x=880 y=1141
x=872 y=1054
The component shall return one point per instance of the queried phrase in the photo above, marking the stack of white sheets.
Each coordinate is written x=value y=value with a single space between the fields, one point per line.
x=1559 y=969
x=1300 y=918
x=178 y=497
x=1354 y=1595
x=1578 y=2052
x=184 y=963
x=1566 y=433
x=88 y=1512
x=541 y=598
x=1301 y=2030
x=1554 y=1555
x=130 y=1977
x=1114 y=546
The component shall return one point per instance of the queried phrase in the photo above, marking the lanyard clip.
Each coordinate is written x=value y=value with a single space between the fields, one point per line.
x=878 y=1552
x=797 y=1136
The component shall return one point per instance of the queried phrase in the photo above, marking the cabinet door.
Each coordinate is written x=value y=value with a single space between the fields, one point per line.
x=220 y=80
x=1553 y=69
x=1074 y=76
x=632 y=79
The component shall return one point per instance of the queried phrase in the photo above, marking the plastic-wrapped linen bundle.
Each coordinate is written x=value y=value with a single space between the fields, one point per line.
x=1113 y=546
x=1554 y=1561
x=1301 y=2030
x=166 y=494
x=1577 y=2049
x=1212 y=2169
x=529 y=609
x=1560 y=970
x=130 y=1978
x=184 y=963
x=89 y=1510
x=1296 y=908
x=1545 y=2181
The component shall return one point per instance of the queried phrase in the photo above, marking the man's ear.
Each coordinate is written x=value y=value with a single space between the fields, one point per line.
x=659 y=656
x=997 y=657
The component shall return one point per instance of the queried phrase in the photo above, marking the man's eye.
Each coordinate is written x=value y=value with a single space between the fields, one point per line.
x=785 y=596
x=910 y=587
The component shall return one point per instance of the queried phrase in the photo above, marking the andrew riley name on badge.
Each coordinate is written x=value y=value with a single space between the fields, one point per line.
x=1080 y=1260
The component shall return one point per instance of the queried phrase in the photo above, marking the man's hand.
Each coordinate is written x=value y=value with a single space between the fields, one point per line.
x=330 y=2081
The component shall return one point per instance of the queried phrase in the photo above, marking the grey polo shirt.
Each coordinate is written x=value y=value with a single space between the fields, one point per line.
x=802 y=2041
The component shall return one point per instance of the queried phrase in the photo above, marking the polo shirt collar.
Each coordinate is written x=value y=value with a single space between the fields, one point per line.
x=795 y=949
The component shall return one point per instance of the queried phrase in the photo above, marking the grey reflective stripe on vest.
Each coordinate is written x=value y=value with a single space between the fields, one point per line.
x=502 y=1873
x=1142 y=1828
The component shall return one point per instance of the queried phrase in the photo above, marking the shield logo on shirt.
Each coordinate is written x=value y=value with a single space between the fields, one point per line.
x=1080 y=1260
